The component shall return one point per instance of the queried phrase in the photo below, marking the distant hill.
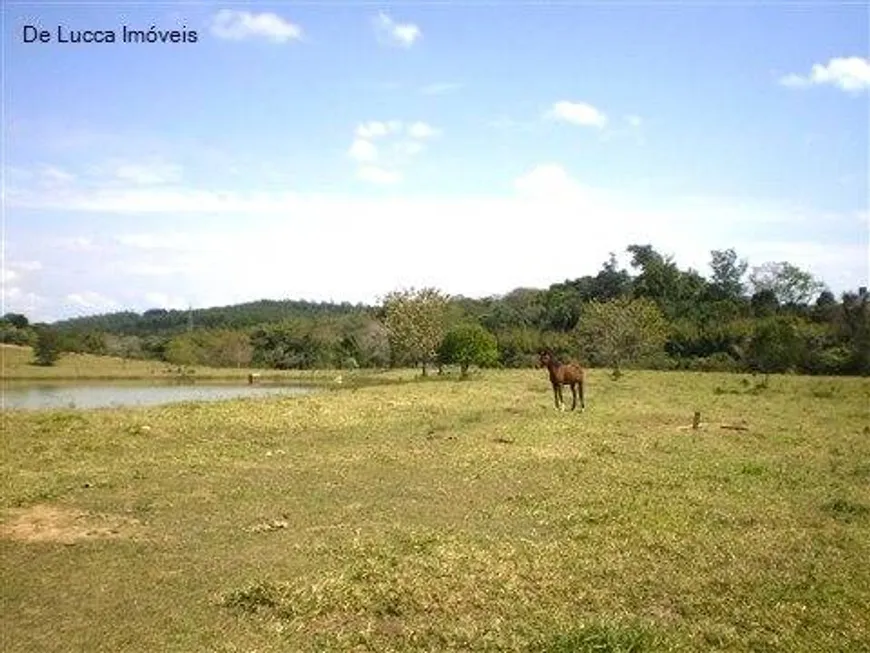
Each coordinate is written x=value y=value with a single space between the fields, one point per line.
x=238 y=316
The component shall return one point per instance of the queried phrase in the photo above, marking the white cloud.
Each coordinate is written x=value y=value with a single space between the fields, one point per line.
x=239 y=25
x=421 y=130
x=379 y=176
x=54 y=174
x=16 y=300
x=547 y=204
x=850 y=74
x=163 y=300
x=76 y=243
x=408 y=148
x=8 y=275
x=390 y=32
x=577 y=113
x=548 y=180
x=363 y=150
x=156 y=200
x=397 y=152
x=172 y=240
x=634 y=121
x=92 y=301
x=26 y=266
x=12 y=271
x=146 y=174
x=151 y=270
x=378 y=128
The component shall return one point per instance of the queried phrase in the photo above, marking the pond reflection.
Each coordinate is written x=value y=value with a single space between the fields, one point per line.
x=42 y=395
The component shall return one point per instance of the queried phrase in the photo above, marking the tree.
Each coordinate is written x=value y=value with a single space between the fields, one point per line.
x=46 y=351
x=622 y=331
x=416 y=321
x=468 y=344
x=518 y=346
x=728 y=272
x=369 y=344
x=562 y=307
x=676 y=292
x=17 y=320
x=776 y=345
x=182 y=350
x=658 y=274
x=855 y=326
x=611 y=281
x=790 y=285
x=764 y=303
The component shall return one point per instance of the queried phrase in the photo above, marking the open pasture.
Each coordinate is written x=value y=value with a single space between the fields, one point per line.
x=17 y=365
x=444 y=515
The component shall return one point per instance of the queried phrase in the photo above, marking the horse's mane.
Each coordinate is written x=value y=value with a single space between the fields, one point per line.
x=557 y=362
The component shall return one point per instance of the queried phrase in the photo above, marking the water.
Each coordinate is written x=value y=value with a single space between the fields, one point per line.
x=43 y=395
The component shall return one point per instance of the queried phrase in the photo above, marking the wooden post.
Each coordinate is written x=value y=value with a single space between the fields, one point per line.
x=696 y=420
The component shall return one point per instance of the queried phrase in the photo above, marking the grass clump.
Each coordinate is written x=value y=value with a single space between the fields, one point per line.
x=601 y=638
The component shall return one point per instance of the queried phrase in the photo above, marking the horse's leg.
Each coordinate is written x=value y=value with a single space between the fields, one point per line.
x=573 y=396
x=556 y=389
x=582 y=394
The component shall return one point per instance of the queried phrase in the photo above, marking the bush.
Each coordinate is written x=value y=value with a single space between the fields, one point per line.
x=468 y=344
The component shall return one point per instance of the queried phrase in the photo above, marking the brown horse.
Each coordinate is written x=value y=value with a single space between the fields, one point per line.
x=569 y=374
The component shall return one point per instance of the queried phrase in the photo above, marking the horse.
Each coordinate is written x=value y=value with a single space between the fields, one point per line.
x=569 y=374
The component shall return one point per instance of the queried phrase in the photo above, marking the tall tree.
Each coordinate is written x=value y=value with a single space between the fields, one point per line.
x=789 y=284
x=416 y=321
x=660 y=280
x=622 y=331
x=46 y=351
x=611 y=281
x=728 y=272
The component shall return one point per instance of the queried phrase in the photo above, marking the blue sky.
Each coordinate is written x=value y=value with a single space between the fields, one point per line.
x=339 y=151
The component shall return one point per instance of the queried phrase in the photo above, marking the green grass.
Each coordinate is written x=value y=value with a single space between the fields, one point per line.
x=446 y=516
x=16 y=364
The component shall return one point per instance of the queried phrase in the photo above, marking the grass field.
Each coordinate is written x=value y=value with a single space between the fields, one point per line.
x=447 y=516
x=17 y=365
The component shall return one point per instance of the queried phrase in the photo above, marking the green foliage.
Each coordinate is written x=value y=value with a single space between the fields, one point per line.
x=788 y=283
x=713 y=324
x=518 y=346
x=123 y=346
x=469 y=344
x=728 y=272
x=13 y=335
x=47 y=350
x=366 y=342
x=416 y=321
x=776 y=345
x=17 y=320
x=622 y=331
x=295 y=344
x=238 y=317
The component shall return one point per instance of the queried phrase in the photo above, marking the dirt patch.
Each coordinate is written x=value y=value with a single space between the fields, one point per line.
x=46 y=523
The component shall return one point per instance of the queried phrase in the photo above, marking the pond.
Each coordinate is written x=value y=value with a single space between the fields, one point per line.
x=31 y=395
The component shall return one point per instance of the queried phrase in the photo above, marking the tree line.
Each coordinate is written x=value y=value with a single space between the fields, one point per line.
x=773 y=318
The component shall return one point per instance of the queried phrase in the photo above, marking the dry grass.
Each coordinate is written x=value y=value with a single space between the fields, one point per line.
x=16 y=364
x=448 y=516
